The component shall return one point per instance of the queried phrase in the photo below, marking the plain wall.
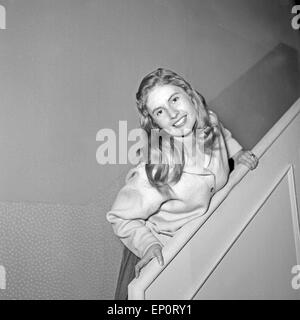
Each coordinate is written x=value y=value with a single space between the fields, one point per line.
x=70 y=68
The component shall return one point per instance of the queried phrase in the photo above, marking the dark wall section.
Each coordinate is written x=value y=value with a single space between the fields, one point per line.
x=261 y=96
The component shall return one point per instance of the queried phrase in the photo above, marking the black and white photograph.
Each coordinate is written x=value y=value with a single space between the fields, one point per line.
x=149 y=150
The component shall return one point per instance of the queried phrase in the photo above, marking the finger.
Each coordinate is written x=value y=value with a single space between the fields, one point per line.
x=137 y=270
x=159 y=257
x=140 y=265
x=253 y=158
x=255 y=163
x=245 y=161
x=252 y=165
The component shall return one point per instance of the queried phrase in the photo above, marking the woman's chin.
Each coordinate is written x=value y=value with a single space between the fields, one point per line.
x=181 y=132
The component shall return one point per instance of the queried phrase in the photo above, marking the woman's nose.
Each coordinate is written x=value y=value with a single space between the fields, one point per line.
x=173 y=112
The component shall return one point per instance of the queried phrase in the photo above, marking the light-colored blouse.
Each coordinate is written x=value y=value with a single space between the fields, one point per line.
x=140 y=213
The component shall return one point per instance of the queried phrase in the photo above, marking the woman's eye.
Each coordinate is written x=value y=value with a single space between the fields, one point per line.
x=175 y=99
x=158 y=113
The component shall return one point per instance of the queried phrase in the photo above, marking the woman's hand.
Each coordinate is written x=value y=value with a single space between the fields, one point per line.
x=246 y=158
x=152 y=252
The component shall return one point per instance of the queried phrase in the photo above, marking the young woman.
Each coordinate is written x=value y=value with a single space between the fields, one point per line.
x=172 y=185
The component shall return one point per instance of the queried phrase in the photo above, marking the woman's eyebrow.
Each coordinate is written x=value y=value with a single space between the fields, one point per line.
x=156 y=109
x=172 y=95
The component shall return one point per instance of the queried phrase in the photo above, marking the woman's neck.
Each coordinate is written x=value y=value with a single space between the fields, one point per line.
x=194 y=151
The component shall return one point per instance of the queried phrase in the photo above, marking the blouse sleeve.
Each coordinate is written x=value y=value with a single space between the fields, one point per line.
x=231 y=144
x=134 y=204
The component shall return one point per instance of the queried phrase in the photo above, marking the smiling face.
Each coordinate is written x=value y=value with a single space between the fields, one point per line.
x=173 y=110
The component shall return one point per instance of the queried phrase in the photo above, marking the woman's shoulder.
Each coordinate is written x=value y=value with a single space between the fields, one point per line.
x=136 y=174
x=138 y=184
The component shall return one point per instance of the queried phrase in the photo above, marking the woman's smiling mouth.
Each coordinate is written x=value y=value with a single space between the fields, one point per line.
x=180 y=122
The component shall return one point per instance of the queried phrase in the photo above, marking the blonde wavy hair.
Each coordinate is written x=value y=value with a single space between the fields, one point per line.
x=167 y=171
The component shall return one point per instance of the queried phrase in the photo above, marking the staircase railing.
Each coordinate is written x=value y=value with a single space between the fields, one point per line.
x=193 y=254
